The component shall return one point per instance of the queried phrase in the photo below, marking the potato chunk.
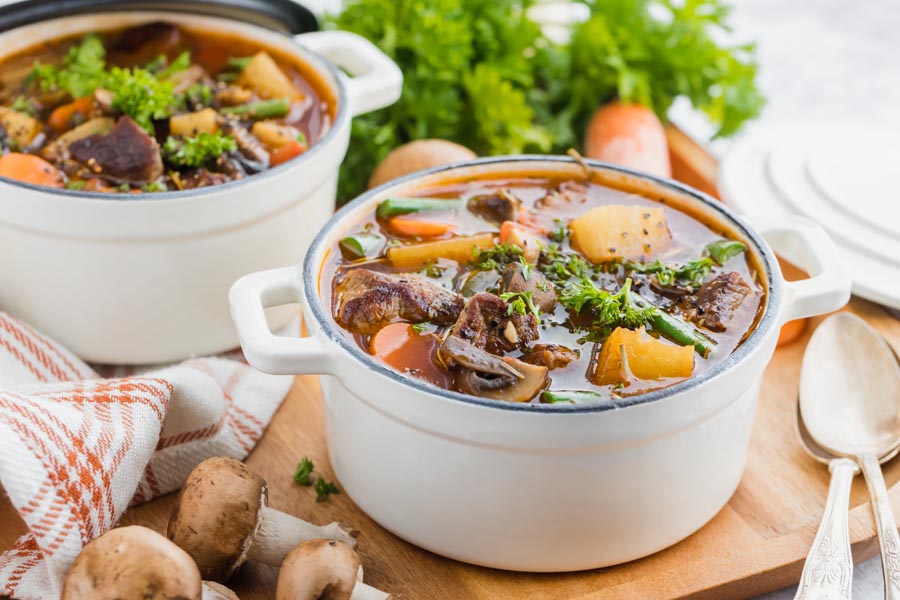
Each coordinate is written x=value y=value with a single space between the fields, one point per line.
x=647 y=358
x=620 y=232
x=265 y=77
x=461 y=249
x=191 y=124
x=273 y=134
x=19 y=127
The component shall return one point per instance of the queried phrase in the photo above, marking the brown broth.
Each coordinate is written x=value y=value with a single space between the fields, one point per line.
x=689 y=237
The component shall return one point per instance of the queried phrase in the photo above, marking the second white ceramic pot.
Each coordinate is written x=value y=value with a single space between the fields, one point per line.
x=143 y=281
x=536 y=487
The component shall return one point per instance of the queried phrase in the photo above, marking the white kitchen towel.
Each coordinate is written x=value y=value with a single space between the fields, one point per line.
x=77 y=449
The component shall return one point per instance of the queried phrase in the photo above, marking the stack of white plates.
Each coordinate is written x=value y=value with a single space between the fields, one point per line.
x=845 y=177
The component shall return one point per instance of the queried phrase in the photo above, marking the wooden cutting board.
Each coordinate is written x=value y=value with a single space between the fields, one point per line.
x=757 y=543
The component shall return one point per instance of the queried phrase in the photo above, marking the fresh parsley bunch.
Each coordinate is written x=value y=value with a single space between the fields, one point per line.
x=481 y=73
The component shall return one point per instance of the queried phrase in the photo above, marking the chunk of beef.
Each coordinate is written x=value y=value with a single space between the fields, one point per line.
x=485 y=322
x=143 y=43
x=126 y=153
x=368 y=300
x=552 y=356
x=495 y=208
x=566 y=192
x=542 y=293
x=716 y=301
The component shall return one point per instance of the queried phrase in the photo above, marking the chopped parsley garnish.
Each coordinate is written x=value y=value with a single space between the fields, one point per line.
x=324 y=489
x=197 y=151
x=75 y=185
x=526 y=268
x=497 y=258
x=558 y=234
x=691 y=274
x=140 y=95
x=83 y=69
x=23 y=105
x=608 y=310
x=181 y=62
x=522 y=303
x=156 y=186
x=124 y=188
x=433 y=270
x=303 y=472
x=561 y=267
x=239 y=63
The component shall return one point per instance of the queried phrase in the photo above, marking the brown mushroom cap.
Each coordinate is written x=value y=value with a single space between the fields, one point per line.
x=318 y=570
x=132 y=563
x=217 y=591
x=216 y=514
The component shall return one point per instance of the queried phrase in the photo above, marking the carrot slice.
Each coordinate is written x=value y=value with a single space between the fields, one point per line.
x=63 y=117
x=286 y=153
x=30 y=169
x=415 y=228
x=399 y=346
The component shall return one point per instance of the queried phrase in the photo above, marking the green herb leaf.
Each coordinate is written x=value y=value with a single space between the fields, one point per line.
x=724 y=250
x=607 y=309
x=75 y=185
x=497 y=257
x=82 y=70
x=181 y=62
x=303 y=472
x=23 y=105
x=140 y=95
x=197 y=151
x=324 y=489
x=239 y=63
x=155 y=186
x=691 y=274
x=522 y=303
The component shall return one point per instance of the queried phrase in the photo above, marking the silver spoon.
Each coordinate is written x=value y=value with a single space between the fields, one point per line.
x=828 y=570
x=850 y=404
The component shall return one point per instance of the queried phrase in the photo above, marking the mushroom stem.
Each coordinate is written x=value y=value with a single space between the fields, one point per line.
x=279 y=532
x=362 y=591
x=216 y=591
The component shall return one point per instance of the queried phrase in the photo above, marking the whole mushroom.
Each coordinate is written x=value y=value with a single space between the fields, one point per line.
x=136 y=563
x=324 y=570
x=222 y=519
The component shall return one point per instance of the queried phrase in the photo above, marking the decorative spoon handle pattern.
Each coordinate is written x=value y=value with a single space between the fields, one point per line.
x=828 y=571
x=888 y=538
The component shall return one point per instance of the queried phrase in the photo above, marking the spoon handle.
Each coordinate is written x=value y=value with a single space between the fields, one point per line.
x=886 y=526
x=828 y=571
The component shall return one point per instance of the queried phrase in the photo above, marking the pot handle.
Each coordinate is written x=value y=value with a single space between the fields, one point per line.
x=375 y=80
x=249 y=296
x=805 y=242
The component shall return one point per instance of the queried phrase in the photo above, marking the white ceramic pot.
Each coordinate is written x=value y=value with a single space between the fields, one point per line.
x=535 y=487
x=146 y=281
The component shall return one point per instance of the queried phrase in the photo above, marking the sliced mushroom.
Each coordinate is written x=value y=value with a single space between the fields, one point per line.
x=222 y=519
x=255 y=158
x=495 y=208
x=324 y=570
x=488 y=376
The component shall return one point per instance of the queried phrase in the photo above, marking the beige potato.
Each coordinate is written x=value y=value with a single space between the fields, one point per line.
x=273 y=134
x=614 y=232
x=265 y=77
x=418 y=155
x=21 y=127
x=191 y=124
x=647 y=358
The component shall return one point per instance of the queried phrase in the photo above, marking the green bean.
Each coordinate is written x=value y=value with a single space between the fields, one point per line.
x=261 y=109
x=571 y=397
x=391 y=207
x=675 y=328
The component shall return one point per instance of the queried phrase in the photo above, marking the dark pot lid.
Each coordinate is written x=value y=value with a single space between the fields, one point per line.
x=285 y=16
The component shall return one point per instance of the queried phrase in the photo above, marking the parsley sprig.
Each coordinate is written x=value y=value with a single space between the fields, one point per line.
x=522 y=303
x=496 y=258
x=197 y=151
x=608 y=310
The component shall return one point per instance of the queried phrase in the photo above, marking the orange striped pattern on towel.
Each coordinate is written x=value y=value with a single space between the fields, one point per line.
x=76 y=449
